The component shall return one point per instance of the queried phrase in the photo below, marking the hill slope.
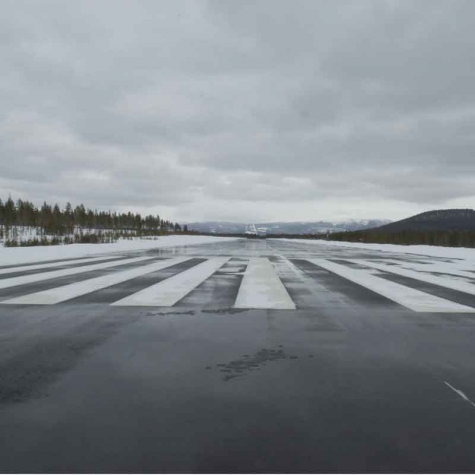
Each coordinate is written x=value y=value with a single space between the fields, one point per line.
x=437 y=220
x=446 y=227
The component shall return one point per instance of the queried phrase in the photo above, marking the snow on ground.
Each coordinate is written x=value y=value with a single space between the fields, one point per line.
x=25 y=233
x=20 y=255
x=432 y=251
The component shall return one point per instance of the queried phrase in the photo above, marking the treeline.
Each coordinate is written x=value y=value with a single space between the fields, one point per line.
x=293 y=236
x=78 y=224
x=452 y=238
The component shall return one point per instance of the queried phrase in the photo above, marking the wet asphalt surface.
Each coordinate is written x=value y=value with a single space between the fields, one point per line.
x=348 y=382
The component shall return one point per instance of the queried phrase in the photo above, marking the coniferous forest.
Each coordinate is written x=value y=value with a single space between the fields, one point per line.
x=446 y=238
x=24 y=224
x=446 y=227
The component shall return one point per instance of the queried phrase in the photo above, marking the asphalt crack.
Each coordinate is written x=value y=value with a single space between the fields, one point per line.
x=248 y=363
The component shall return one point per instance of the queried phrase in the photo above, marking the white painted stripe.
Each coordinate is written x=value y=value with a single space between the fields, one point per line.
x=460 y=393
x=29 y=279
x=447 y=282
x=70 y=291
x=440 y=267
x=13 y=270
x=168 y=292
x=262 y=288
x=413 y=299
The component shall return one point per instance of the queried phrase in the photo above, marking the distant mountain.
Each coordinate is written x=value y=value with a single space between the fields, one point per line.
x=437 y=220
x=222 y=227
x=218 y=227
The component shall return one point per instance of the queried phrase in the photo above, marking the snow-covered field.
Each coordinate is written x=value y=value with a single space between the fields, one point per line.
x=19 y=255
x=22 y=234
x=433 y=251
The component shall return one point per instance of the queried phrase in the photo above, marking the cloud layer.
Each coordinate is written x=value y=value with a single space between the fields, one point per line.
x=249 y=110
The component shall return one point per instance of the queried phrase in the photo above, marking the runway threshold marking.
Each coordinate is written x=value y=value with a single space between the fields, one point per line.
x=27 y=268
x=261 y=287
x=168 y=292
x=76 y=289
x=29 y=279
x=410 y=298
x=447 y=282
x=442 y=268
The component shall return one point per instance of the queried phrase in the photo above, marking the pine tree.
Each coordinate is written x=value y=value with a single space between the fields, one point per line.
x=10 y=212
x=2 y=212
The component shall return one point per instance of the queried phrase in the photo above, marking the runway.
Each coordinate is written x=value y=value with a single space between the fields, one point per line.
x=248 y=355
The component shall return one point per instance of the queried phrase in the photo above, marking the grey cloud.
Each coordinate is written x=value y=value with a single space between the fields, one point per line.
x=201 y=106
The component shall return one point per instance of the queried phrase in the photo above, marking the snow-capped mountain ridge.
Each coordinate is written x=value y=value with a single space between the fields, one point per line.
x=221 y=227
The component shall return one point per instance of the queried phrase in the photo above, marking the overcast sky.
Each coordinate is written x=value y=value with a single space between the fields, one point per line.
x=239 y=110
